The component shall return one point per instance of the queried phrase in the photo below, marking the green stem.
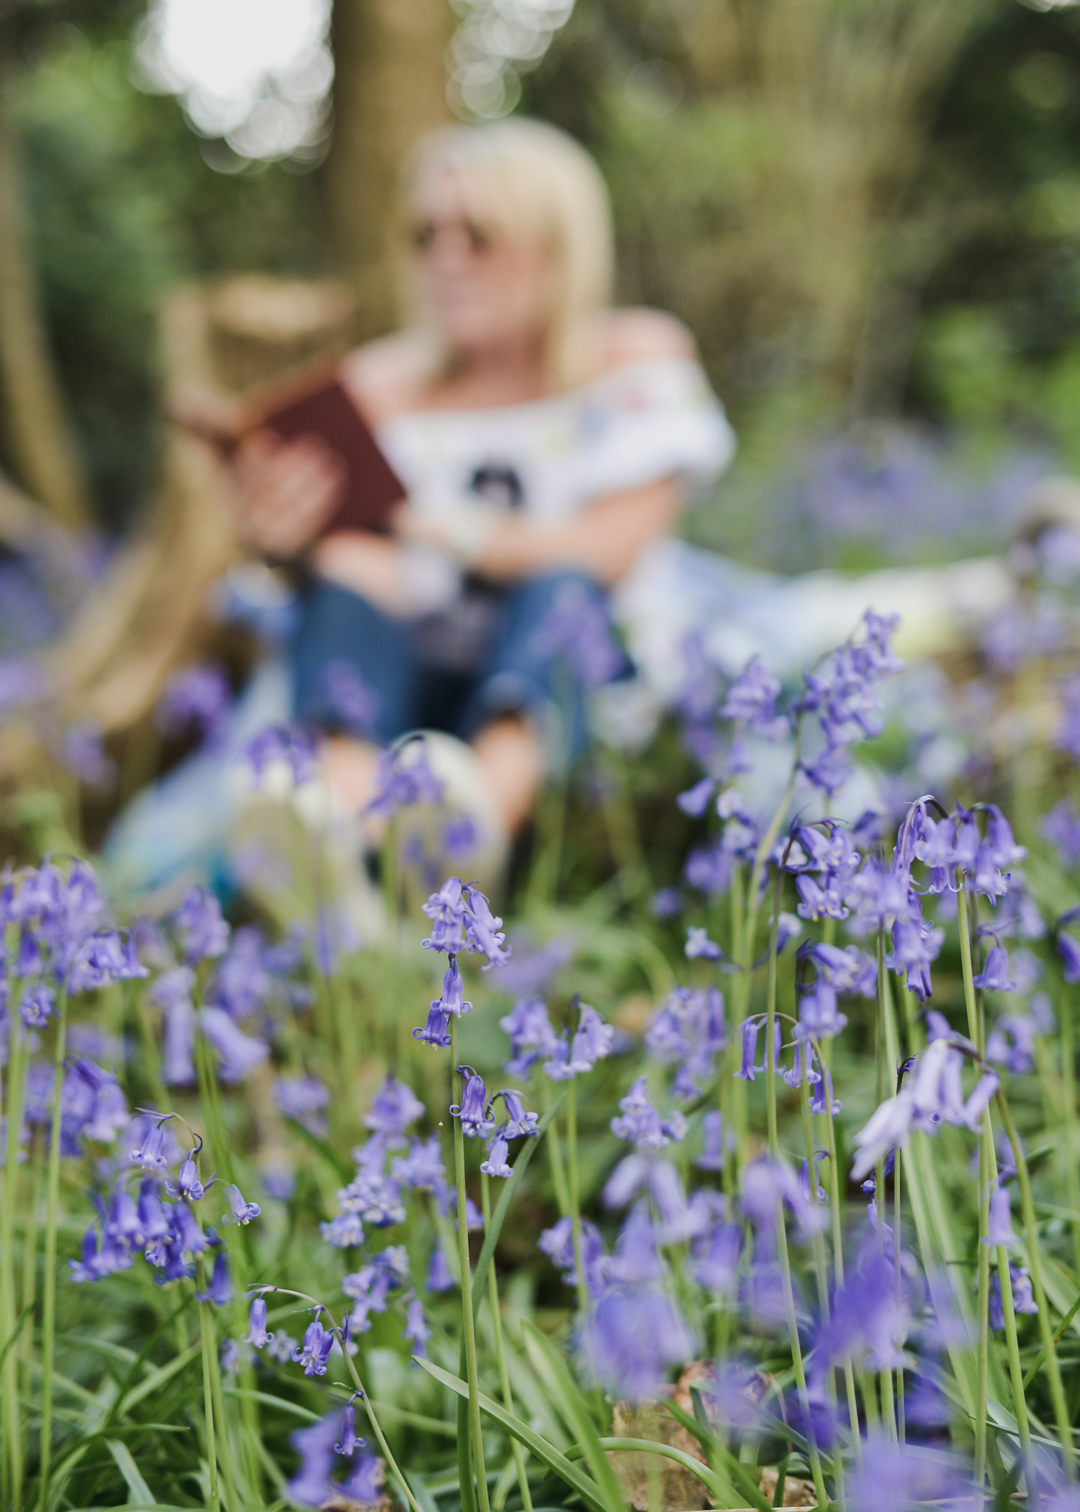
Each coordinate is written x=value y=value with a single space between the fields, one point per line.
x=1016 y=1372
x=52 y=1215
x=574 y=1195
x=982 y=1359
x=770 y=1024
x=796 y=1356
x=554 y=1149
x=500 y=1355
x=1053 y=1367
x=838 y=1271
x=1071 y=1153
x=881 y=1051
x=16 y=1077
x=475 y=1425
x=208 y=1366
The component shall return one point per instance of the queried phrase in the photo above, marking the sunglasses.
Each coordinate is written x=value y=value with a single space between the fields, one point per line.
x=425 y=234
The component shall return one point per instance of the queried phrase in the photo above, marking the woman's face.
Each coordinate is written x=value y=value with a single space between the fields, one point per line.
x=482 y=289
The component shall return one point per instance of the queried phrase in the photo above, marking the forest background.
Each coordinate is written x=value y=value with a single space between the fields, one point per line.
x=868 y=212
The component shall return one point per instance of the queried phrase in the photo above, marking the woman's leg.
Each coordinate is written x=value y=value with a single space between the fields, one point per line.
x=511 y=753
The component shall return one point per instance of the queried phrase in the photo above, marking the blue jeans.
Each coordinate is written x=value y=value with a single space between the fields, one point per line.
x=412 y=690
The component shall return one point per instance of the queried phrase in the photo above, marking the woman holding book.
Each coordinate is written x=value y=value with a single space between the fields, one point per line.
x=544 y=440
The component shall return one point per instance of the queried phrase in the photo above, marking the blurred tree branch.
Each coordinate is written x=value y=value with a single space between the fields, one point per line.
x=389 y=88
x=36 y=432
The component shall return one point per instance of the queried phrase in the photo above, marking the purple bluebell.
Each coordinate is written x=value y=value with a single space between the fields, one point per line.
x=86 y=1268
x=187 y=1185
x=439 y=1278
x=314 y=1352
x=84 y=754
x=695 y=800
x=689 y=1030
x=1023 y=1296
x=201 y=931
x=894 y=1477
x=640 y=1122
x=178 y=1055
x=435 y=1031
x=716 y=1258
x=295 y=747
x=496 y=1162
x=311 y=1485
x=343 y=1231
x=257 y=1335
x=194 y=698
x=1061 y=827
x=850 y=970
x=1069 y=951
x=374 y=1197
x=817 y=901
x=629 y=1341
x=220 y=1291
x=519 y=1123
x=578 y=629
x=1000 y=1229
x=452 y=998
x=348 y=1443
x=636 y=1261
x=422 y=1169
x=462 y=920
x=751 y=699
x=417 y=1329
x=404 y=777
x=188 y=1236
x=352 y=703
x=240 y=1210
x=711 y=1157
x=592 y=1041
x=750 y=1029
x=700 y=947
x=394 y=1108
x=303 y=1098
x=768 y=1186
x=531 y=1034
x=819 y=1014
x=710 y=869
x=153 y=1219
x=557 y=1243
x=473 y=1110
x=1042 y=1014
x=150 y=1154
x=238 y=1053
x=365 y=1484
x=37 y=1005
x=1011 y=1043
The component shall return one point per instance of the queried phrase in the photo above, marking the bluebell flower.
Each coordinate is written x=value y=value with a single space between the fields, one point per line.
x=220 y=1291
x=348 y=1443
x=417 y=1330
x=238 y=1053
x=303 y=1098
x=894 y=1477
x=240 y=1210
x=202 y=932
x=29 y=960
x=666 y=903
x=438 y=1277
x=365 y=1484
x=1000 y=1229
x=473 y=1110
x=394 y=1108
x=375 y=1197
x=123 y=1223
x=710 y=868
x=311 y=1486
x=1061 y=826
x=292 y=746
x=994 y=976
x=423 y=1170
x=819 y=1013
x=404 y=777
x=257 y=1335
x=1023 y=1296
x=716 y=1258
x=641 y=1123
x=187 y=1185
x=751 y=699
x=496 y=1162
x=630 y=1339
x=1011 y=1043
x=452 y=997
x=352 y=703
x=689 y=1030
x=696 y=799
x=86 y=1269
x=711 y=1157
x=519 y=1124
x=531 y=1034
x=37 y=1005
x=820 y=902
x=436 y=1031
x=344 y=1231
x=153 y=1219
x=768 y=1186
x=557 y=1243
x=314 y=1352
x=699 y=946
x=592 y=1041
x=188 y=1236
x=636 y=1261
x=577 y=627
x=848 y=970
x=196 y=697
x=1069 y=951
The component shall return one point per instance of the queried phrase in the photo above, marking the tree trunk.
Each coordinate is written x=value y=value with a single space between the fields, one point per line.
x=36 y=434
x=389 y=88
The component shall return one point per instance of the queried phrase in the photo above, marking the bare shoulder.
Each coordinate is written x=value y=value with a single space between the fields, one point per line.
x=637 y=335
x=387 y=377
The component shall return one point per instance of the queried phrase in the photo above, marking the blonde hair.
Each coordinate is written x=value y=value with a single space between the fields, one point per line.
x=530 y=180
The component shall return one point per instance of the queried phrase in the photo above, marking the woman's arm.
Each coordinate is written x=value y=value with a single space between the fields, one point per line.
x=604 y=539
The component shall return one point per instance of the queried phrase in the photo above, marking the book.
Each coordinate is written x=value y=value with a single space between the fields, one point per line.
x=318 y=406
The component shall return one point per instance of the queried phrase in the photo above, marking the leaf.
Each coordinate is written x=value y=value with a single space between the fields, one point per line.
x=137 y=1487
x=713 y=1444
x=502 y=1207
x=587 y=1489
x=552 y=1369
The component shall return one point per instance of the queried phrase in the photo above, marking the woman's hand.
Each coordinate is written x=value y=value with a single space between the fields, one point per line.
x=285 y=492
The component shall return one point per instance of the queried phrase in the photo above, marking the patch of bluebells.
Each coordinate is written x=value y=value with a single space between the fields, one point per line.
x=195 y=699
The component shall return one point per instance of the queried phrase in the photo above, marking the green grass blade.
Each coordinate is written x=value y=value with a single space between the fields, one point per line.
x=709 y=1478
x=568 y=1397
x=139 y=1491
x=587 y=1489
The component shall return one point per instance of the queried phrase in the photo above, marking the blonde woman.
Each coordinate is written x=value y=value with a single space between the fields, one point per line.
x=545 y=439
